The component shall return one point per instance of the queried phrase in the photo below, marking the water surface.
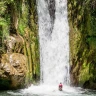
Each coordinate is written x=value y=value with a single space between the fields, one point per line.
x=46 y=90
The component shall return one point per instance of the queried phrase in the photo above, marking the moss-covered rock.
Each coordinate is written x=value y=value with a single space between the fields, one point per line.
x=14 y=44
x=19 y=36
x=82 y=21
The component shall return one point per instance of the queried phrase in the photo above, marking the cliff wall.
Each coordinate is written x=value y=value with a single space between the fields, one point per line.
x=19 y=47
x=82 y=22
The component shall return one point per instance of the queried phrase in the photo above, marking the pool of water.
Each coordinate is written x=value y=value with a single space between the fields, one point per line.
x=46 y=90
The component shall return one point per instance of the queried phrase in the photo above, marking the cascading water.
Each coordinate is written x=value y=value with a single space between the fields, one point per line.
x=54 y=41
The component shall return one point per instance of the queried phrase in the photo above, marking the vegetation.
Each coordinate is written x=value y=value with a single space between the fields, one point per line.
x=82 y=18
x=19 y=18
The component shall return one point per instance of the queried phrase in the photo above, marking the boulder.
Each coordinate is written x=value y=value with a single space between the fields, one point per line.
x=12 y=71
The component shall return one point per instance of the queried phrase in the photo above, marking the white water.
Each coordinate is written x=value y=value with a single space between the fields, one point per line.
x=47 y=90
x=54 y=44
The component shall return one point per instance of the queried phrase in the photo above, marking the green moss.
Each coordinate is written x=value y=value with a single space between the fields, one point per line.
x=19 y=17
x=84 y=73
x=21 y=27
x=82 y=19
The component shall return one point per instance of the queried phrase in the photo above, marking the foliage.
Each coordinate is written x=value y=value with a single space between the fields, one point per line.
x=82 y=17
x=4 y=24
x=16 y=18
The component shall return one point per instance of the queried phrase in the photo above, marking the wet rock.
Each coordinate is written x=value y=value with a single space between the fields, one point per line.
x=89 y=85
x=12 y=71
x=14 y=43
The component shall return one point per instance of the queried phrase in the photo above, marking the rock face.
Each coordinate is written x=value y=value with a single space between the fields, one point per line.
x=13 y=64
x=19 y=47
x=14 y=44
x=12 y=71
x=82 y=21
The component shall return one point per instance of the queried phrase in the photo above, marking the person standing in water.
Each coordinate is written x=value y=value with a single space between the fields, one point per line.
x=60 y=86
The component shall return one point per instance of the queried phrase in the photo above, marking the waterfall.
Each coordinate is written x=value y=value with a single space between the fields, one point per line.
x=54 y=41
